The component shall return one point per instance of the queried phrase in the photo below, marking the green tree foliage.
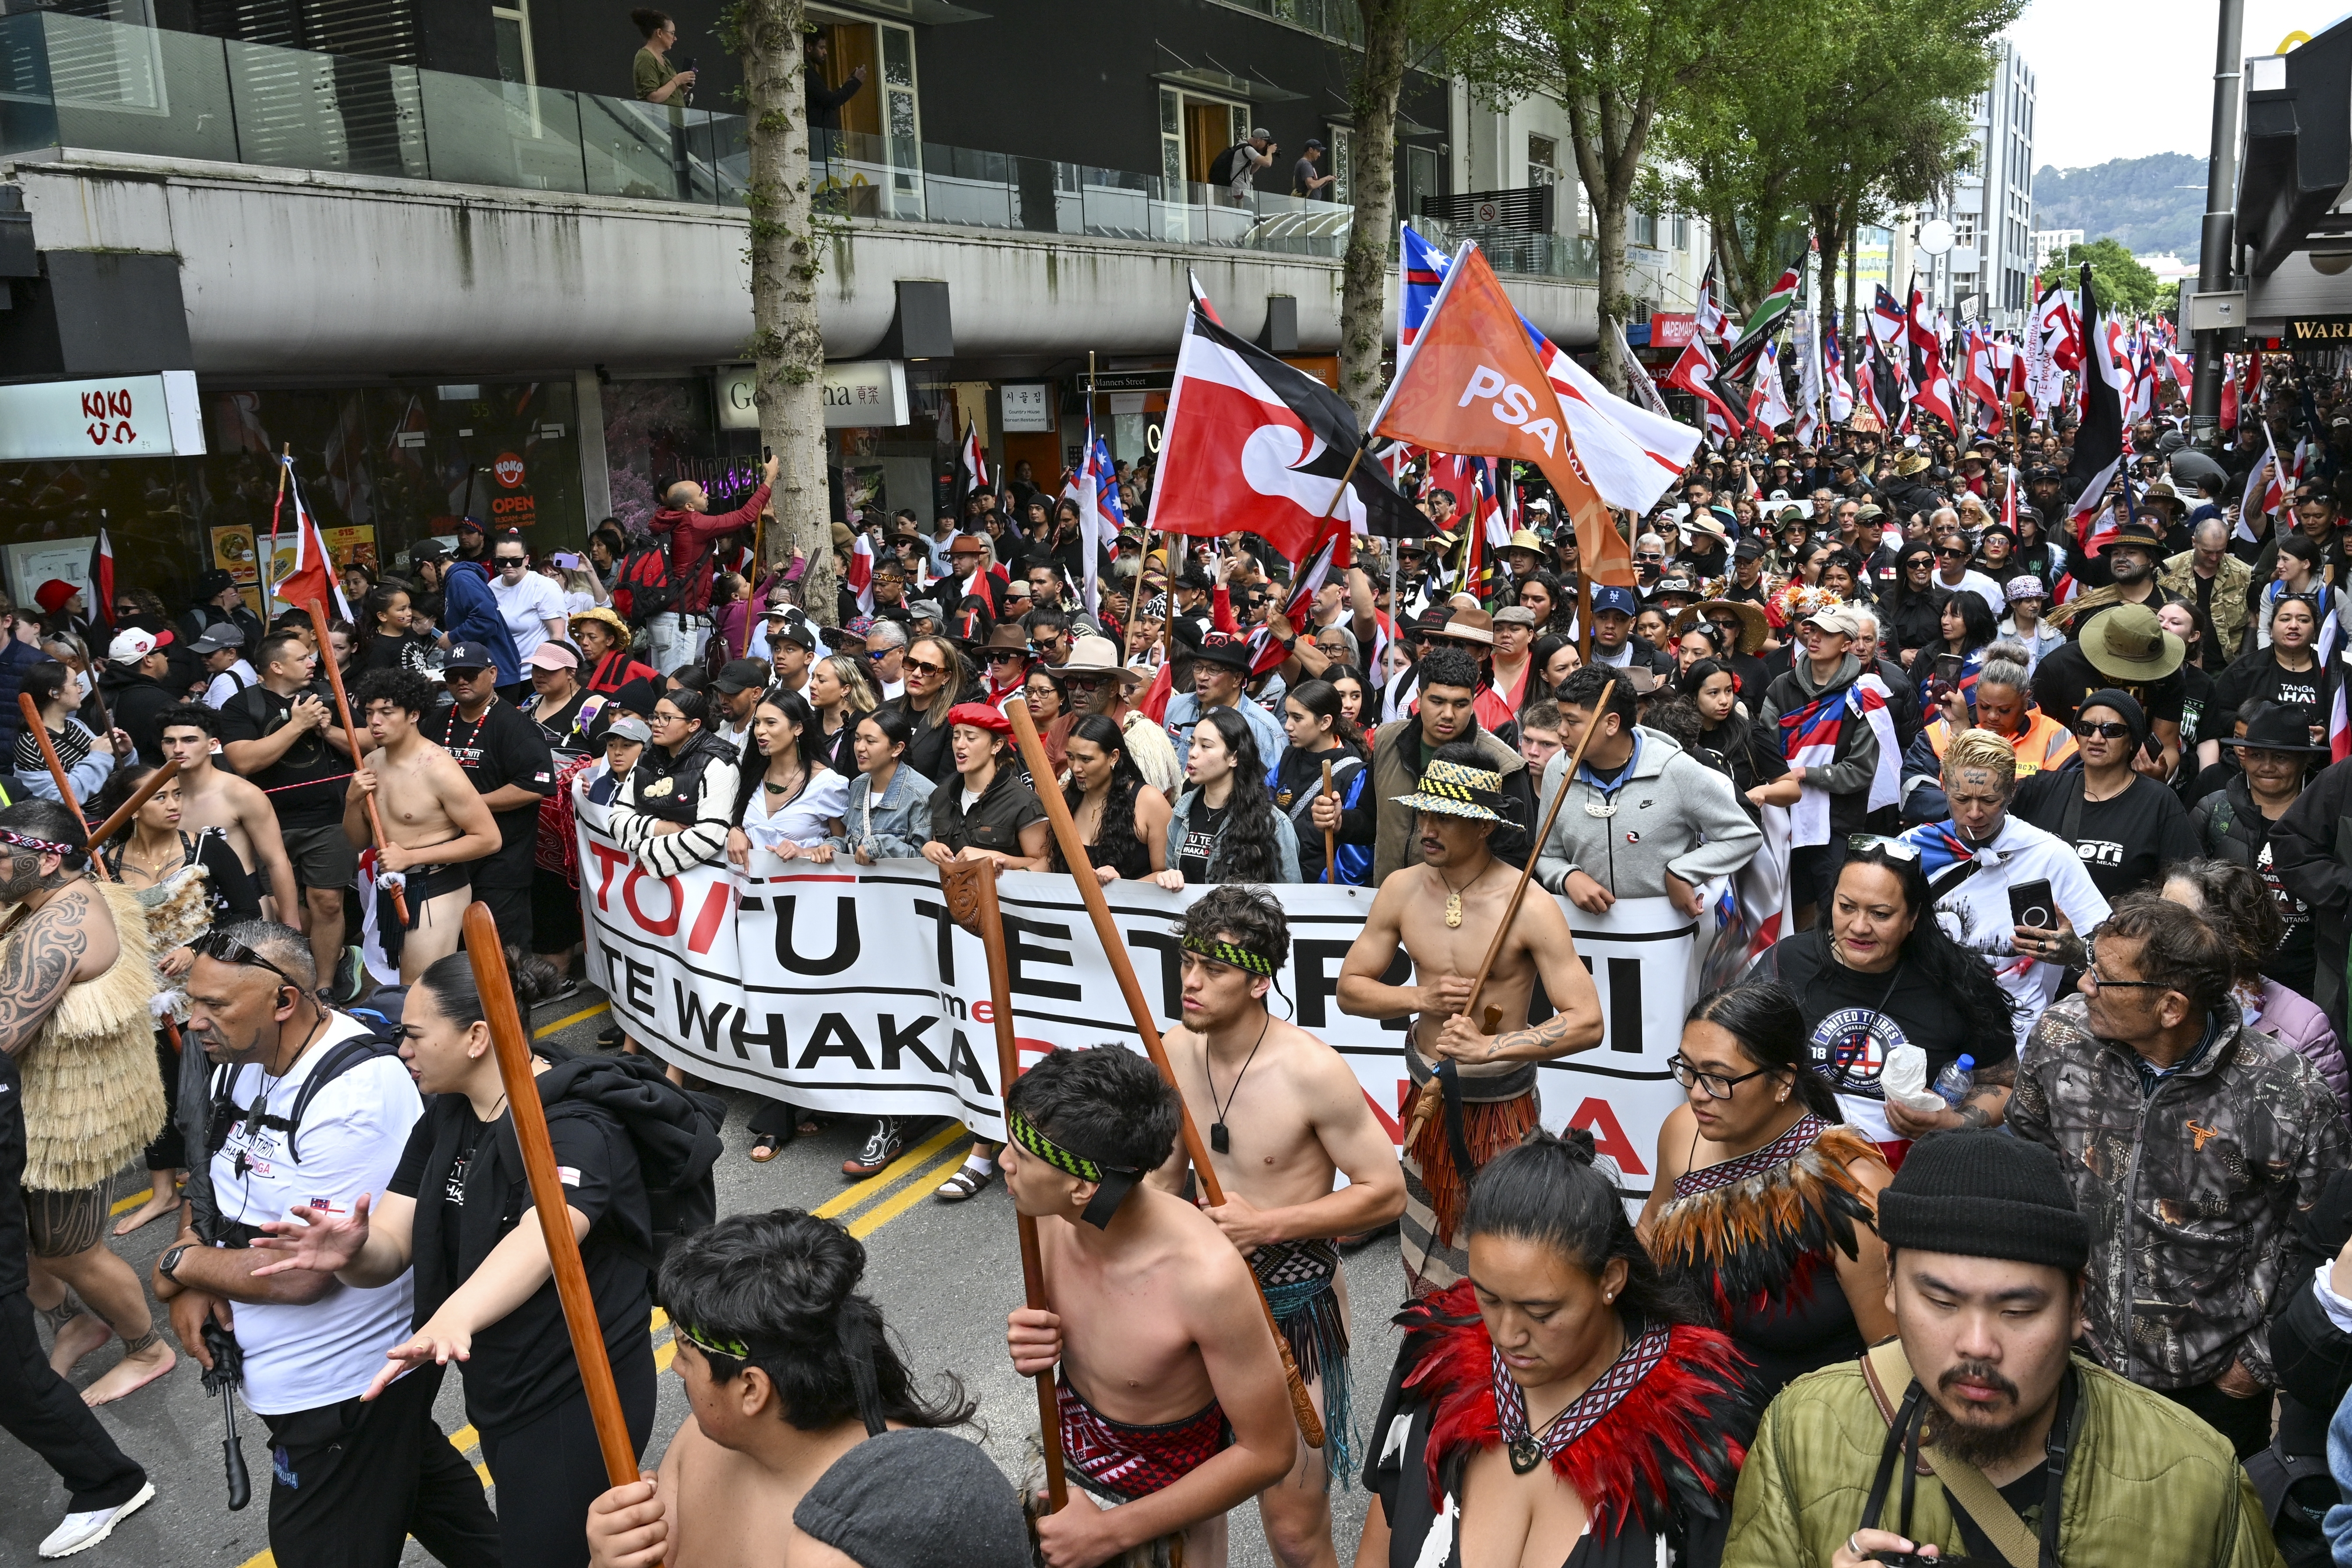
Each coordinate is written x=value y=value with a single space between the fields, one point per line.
x=2122 y=283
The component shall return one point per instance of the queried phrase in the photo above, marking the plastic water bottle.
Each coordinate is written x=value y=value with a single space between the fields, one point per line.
x=1956 y=1082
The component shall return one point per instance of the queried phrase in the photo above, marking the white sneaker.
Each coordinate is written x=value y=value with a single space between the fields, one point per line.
x=85 y=1530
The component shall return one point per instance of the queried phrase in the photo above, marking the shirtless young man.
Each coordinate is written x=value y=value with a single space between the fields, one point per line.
x=1155 y=1321
x=761 y=1300
x=433 y=823
x=211 y=798
x=1284 y=1115
x=1443 y=913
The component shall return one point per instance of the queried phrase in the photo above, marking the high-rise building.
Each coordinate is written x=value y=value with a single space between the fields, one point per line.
x=1993 y=255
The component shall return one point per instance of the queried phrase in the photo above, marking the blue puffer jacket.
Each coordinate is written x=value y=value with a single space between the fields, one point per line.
x=470 y=614
x=15 y=657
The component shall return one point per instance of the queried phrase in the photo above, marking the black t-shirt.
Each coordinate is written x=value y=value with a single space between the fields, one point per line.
x=1204 y=824
x=2124 y=842
x=2066 y=676
x=2196 y=702
x=522 y=1364
x=1852 y=1019
x=500 y=748
x=2262 y=678
x=306 y=787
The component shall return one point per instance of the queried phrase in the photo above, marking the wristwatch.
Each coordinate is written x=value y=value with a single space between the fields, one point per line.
x=171 y=1260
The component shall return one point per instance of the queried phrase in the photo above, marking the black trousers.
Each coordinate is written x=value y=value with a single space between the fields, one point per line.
x=38 y=1408
x=549 y=1470
x=351 y=1482
x=511 y=906
x=43 y=1412
x=2246 y=1422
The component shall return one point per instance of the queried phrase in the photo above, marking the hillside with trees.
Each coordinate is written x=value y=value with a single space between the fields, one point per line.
x=2146 y=204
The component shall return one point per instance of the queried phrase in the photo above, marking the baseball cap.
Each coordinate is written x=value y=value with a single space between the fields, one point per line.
x=1835 y=619
x=795 y=630
x=629 y=727
x=552 y=656
x=738 y=675
x=469 y=655
x=1609 y=596
x=130 y=647
x=219 y=638
x=1747 y=550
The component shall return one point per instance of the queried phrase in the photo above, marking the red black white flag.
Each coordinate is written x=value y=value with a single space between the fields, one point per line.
x=2099 y=438
x=1251 y=443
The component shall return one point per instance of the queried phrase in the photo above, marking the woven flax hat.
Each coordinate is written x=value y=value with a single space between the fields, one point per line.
x=1456 y=789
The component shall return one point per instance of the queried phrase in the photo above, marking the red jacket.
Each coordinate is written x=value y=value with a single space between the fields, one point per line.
x=690 y=533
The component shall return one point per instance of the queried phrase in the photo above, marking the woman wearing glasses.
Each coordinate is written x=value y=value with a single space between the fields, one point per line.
x=1762 y=1199
x=2125 y=826
x=531 y=607
x=1914 y=617
x=937 y=680
x=1880 y=974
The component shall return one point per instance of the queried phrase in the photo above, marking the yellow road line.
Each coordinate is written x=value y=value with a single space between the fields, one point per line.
x=561 y=1024
x=914 y=1192
x=896 y=1171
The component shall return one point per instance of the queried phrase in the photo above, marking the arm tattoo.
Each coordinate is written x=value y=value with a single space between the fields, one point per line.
x=2000 y=1075
x=35 y=970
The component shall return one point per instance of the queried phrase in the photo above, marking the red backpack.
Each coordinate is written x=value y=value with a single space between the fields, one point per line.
x=643 y=589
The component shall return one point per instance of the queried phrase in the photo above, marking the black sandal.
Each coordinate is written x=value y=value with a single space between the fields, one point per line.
x=766 y=1147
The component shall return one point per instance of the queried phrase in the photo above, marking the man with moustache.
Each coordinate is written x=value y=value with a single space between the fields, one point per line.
x=1991 y=1442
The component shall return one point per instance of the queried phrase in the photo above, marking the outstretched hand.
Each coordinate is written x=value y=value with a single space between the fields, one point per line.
x=433 y=1343
x=314 y=1241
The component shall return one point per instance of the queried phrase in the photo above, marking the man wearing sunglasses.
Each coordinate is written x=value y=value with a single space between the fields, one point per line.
x=64 y=943
x=1953 y=554
x=2135 y=1083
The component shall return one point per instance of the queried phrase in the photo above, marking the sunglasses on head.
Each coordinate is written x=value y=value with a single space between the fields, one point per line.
x=223 y=948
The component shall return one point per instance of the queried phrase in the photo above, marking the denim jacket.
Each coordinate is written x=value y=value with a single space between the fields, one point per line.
x=894 y=827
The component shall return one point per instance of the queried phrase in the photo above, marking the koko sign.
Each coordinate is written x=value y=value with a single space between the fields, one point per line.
x=115 y=417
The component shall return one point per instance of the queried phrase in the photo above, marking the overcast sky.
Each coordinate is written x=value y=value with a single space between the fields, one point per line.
x=2154 y=74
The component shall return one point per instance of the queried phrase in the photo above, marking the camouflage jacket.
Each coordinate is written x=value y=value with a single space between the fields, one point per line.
x=2179 y=575
x=2189 y=1191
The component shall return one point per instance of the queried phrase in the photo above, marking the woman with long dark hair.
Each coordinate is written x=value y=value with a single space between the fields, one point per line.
x=1563 y=1315
x=1912 y=618
x=1313 y=717
x=458 y=1212
x=888 y=813
x=1759 y=1189
x=1964 y=624
x=88 y=758
x=1225 y=828
x=2286 y=669
x=1122 y=821
x=1878 y=974
x=790 y=801
x=1555 y=612
x=1729 y=743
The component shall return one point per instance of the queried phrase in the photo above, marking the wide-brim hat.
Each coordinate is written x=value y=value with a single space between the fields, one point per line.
x=1458 y=789
x=1753 y=627
x=2129 y=643
x=1005 y=636
x=1911 y=463
x=1470 y=625
x=1225 y=648
x=1525 y=540
x=2162 y=494
x=2278 y=727
x=2135 y=533
x=1091 y=656
x=609 y=620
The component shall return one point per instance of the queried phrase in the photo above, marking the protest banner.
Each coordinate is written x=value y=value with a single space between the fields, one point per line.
x=848 y=988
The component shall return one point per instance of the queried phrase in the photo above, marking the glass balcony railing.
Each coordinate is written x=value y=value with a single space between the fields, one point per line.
x=69 y=82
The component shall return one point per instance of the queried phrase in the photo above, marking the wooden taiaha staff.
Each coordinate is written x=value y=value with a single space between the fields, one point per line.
x=969 y=886
x=351 y=732
x=1431 y=1094
x=1330 y=835
x=1074 y=853
x=513 y=1045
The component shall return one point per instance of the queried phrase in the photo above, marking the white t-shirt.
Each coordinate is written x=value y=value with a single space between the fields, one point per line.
x=351 y=1137
x=802 y=820
x=229 y=683
x=1976 y=912
x=527 y=608
x=1985 y=588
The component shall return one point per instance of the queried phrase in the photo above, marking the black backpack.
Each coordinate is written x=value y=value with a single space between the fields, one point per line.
x=223 y=1114
x=675 y=1133
x=642 y=590
x=1221 y=168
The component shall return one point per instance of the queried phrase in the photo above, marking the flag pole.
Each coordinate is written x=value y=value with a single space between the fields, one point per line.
x=343 y=707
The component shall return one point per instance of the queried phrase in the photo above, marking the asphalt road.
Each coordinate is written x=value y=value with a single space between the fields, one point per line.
x=945 y=1276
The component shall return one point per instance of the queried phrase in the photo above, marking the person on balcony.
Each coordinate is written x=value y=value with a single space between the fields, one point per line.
x=825 y=101
x=1307 y=177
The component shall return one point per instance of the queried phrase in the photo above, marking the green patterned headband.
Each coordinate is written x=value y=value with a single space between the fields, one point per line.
x=710 y=1343
x=1024 y=1133
x=1241 y=958
x=1112 y=1182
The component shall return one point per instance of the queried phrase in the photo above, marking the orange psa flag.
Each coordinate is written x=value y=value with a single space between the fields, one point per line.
x=1473 y=385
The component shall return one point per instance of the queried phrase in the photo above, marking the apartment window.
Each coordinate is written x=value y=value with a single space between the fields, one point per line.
x=1641 y=229
x=1342 y=139
x=1171 y=136
x=1543 y=161
x=1682 y=231
x=510 y=31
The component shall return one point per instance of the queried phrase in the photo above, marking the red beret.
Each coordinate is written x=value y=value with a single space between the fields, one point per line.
x=980 y=716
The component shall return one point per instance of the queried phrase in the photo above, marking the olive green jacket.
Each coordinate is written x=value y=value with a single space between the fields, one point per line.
x=2148 y=1485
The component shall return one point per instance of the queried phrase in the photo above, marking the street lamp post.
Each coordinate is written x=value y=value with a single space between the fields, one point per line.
x=2213 y=268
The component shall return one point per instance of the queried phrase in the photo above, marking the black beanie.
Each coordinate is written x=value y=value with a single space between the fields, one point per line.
x=2131 y=712
x=916 y=1498
x=1984 y=1194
